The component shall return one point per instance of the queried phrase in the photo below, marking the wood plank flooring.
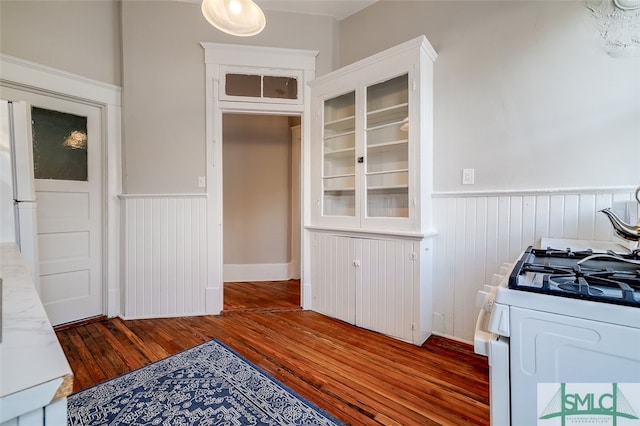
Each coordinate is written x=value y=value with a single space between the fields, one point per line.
x=361 y=377
x=262 y=295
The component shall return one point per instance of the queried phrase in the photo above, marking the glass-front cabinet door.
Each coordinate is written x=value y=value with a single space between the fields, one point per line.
x=339 y=156
x=387 y=149
x=371 y=157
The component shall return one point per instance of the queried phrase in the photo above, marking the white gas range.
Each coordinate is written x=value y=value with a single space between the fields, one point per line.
x=556 y=318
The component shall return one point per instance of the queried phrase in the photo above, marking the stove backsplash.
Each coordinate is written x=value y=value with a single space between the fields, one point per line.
x=627 y=210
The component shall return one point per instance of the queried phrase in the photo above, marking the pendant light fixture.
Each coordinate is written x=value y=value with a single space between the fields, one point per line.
x=236 y=17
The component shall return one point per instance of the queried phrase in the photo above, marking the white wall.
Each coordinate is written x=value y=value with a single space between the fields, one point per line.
x=256 y=189
x=81 y=37
x=164 y=85
x=527 y=93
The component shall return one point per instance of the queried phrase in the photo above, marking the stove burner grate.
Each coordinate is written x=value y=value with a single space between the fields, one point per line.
x=574 y=285
x=612 y=279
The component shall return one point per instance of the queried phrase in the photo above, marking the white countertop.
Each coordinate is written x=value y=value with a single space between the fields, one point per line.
x=33 y=367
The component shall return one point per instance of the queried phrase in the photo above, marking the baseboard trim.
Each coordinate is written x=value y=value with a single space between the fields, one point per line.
x=85 y=321
x=450 y=337
x=259 y=272
x=114 y=302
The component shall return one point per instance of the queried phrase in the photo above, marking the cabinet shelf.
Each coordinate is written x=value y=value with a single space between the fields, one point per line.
x=389 y=188
x=339 y=152
x=385 y=172
x=339 y=126
x=387 y=146
x=344 y=175
x=338 y=134
x=387 y=116
x=386 y=124
x=335 y=191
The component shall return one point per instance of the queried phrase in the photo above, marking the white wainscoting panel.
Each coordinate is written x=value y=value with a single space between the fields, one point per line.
x=478 y=232
x=165 y=255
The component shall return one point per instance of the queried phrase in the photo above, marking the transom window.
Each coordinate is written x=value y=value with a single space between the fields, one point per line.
x=261 y=85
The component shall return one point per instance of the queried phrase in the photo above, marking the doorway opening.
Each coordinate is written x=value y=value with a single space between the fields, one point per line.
x=261 y=210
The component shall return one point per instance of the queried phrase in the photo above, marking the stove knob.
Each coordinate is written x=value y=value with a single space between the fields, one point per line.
x=484 y=300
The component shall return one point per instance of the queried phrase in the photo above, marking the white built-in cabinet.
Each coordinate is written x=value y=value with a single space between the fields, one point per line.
x=371 y=184
x=376 y=283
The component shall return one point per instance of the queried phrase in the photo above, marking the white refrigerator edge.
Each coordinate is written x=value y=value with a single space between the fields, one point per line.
x=18 y=218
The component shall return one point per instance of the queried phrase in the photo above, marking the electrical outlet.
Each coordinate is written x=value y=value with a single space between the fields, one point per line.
x=468 y=176
x=202 y=182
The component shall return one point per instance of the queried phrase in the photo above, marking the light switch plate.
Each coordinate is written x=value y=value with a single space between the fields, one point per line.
x=202 y=182
x=468 y=177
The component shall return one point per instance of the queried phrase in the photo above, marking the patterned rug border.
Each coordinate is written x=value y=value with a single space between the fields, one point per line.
x=252 y=365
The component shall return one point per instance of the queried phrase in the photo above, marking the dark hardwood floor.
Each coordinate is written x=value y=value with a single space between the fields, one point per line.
x=361 y=377
x=261 y=296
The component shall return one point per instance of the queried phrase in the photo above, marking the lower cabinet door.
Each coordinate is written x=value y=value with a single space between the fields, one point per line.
x=368 y=282
x=333 y=276
x=385 y=287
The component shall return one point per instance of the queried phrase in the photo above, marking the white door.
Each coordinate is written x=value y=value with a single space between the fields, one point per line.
x=67 y=146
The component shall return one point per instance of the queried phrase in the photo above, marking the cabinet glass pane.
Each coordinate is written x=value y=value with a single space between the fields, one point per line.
x=339 y=197
x=388 y=158
x=340 y=114
x=280 y=87
x=345 y=141
x=390 y=93
x=388 y=194
x=59 y=145
x=243 y=85
x=388 y=204
x=340 y=163
x=387 y=148
x=339 y=156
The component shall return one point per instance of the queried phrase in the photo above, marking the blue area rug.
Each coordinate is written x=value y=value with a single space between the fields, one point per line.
x=207 y=385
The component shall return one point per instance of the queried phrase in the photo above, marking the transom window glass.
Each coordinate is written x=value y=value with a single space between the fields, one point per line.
x=243 y=85
x=59 y=145
x=280 y=87
x=271 y=85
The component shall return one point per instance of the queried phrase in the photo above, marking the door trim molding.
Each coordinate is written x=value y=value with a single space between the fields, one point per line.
x=216 y=55
x=44 y=80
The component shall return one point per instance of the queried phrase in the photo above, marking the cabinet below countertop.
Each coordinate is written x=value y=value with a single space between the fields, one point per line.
x=35 y=376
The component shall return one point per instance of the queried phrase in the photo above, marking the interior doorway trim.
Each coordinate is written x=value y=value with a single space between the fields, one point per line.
x=30 y=76
x=219 y=56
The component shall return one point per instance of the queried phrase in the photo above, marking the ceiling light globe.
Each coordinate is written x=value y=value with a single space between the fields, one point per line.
x=236 y=17
x=235 y=7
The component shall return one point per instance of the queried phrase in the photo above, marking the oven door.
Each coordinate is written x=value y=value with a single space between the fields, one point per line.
x=549 y=349
x=499 y=383
x=496 y=348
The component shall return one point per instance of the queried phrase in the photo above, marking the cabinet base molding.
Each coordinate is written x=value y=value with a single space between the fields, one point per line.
x=374 y=233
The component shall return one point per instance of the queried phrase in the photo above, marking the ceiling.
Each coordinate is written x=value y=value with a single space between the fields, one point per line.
x=339 y=9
